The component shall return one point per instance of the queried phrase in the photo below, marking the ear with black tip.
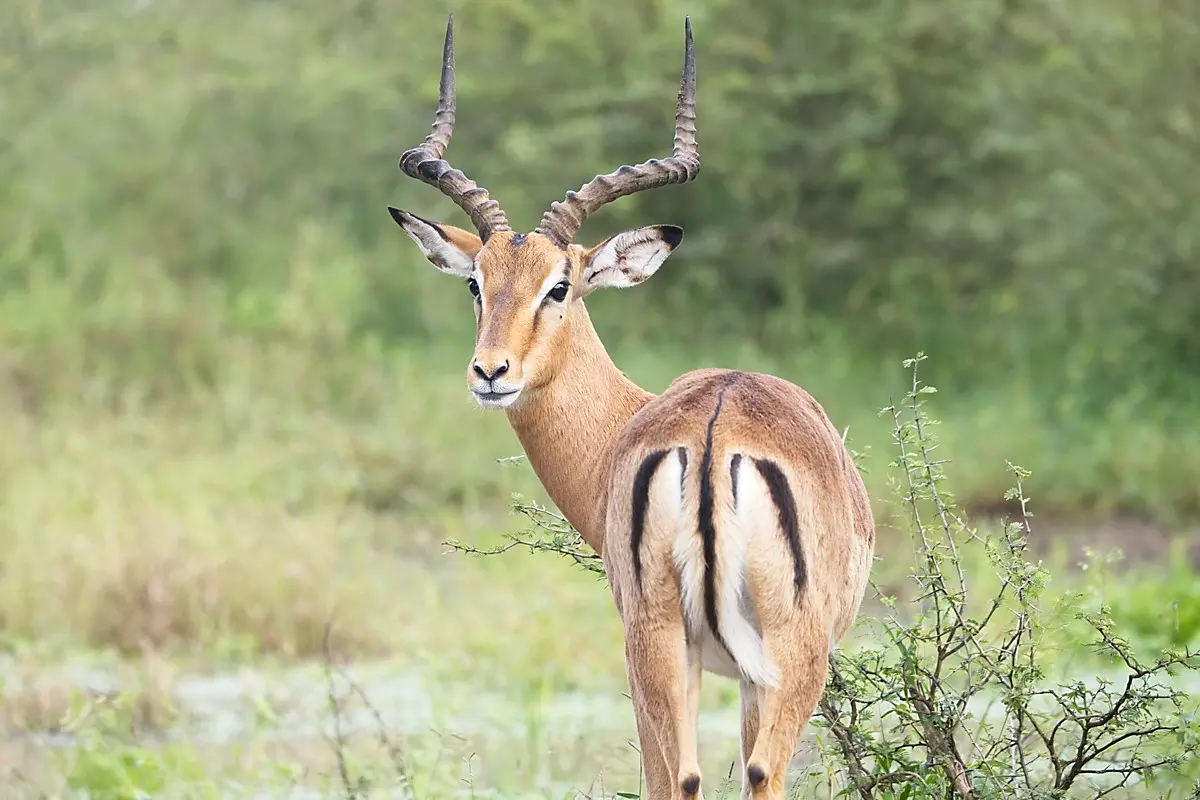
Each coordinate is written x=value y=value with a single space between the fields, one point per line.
x=628 y=258
x=452 y=250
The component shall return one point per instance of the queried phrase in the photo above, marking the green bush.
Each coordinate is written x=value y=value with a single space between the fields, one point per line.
x=1000 y=166
x=999 y=183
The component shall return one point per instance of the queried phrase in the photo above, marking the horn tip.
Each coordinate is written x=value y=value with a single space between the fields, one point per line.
x=689 y=48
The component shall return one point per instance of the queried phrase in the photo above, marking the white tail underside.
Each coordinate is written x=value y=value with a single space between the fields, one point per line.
x=736 y=617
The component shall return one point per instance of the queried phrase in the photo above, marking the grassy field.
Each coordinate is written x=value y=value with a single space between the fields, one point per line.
x=156 y=525
x=170 y=572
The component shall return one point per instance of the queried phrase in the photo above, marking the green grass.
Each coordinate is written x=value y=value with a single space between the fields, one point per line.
x=509 y=683
x=220 y=531
x=155 y=524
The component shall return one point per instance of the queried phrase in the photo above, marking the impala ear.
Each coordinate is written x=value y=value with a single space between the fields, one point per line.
x=628 y=258
x=452 y=250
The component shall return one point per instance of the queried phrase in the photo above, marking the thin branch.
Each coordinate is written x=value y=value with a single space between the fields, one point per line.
x=335 y=709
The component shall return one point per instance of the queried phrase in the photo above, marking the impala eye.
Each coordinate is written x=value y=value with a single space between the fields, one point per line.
x=473 y=287
x=559 y=292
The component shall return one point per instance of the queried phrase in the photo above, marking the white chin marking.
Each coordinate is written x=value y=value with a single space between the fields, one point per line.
x=496 y=400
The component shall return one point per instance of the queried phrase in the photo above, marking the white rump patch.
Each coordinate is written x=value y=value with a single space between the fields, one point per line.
x=735 y=611
x=688 y=553
x=738 y=621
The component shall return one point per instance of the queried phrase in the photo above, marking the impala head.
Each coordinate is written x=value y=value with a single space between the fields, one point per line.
x=523 y=286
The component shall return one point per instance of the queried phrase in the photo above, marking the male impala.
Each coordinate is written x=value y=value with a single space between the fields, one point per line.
x=734 y=527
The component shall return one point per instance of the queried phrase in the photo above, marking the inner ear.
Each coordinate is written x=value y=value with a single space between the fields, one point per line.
x=452 y=250
x=628 y=258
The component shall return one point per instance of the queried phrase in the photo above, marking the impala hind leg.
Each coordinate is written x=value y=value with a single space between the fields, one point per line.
x=654 y=764
x=749 y=694
x=660 y=667
x=784 y=711
x=689 y=761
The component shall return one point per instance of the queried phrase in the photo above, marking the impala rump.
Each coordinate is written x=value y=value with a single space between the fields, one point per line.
x=733 y=504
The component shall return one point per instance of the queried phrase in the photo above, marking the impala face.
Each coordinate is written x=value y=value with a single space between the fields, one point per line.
x=520 y=301
x=522 y=288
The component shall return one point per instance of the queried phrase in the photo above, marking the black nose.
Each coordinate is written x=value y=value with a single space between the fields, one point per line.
x=496 y=373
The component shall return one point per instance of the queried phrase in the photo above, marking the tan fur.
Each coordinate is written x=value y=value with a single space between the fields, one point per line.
x=756 y=534
x=466 y=241
x=586 y=428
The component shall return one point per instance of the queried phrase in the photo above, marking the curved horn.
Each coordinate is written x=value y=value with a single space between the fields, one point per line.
x=425 y=163
x=564 y=218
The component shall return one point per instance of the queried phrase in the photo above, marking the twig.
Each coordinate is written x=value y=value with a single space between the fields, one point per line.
x=335 y=709
x=395 y=754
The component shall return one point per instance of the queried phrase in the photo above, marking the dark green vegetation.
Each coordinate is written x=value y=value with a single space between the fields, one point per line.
x=231 y=392
x=1007 y=185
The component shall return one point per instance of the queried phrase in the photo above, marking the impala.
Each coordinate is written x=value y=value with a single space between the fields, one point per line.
x=734 y=527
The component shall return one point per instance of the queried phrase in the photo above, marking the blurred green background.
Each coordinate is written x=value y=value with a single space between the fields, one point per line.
x=231 y=392
x=1009 y=186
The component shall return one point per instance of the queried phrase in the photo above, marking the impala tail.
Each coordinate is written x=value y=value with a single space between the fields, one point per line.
x=736 y=500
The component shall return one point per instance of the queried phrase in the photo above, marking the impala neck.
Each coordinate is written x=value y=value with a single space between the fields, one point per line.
x=569 y=427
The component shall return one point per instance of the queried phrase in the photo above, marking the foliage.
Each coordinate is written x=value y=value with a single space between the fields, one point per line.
x=996 y=182
x=546 y=532
x=962 y=704
x=110 y=761
x=1181 y=588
